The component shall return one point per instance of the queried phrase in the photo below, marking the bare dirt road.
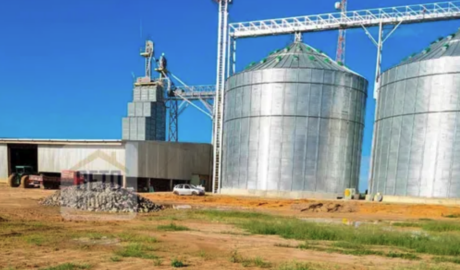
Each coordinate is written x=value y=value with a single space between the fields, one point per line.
x=38 y=237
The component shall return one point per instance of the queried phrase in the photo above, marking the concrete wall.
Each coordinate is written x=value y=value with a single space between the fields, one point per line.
x=166 y=160
x=96 y=158
x=421 y=200
x=3 y=162
x=279 y=194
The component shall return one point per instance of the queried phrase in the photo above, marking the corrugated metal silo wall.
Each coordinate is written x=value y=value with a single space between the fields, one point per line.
x=417 y=147
x=3 y=162
x=293 y=130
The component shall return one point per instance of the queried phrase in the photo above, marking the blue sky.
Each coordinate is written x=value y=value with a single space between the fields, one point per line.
x=65 y=65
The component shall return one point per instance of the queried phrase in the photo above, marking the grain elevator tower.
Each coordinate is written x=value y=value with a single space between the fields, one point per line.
x=146 y=119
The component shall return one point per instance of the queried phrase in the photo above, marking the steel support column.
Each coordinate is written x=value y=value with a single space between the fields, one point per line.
x=378 y=73
x=376 y=86
x=378 y=67
x=229 y=56
x=173 y=132
x=219 y=99
x=234 y=56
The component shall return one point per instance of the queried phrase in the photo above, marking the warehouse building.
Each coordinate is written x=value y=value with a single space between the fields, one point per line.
x=145 y=165
x=142 y=160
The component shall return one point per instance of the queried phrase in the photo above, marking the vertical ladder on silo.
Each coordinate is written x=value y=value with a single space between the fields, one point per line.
x=218 y=101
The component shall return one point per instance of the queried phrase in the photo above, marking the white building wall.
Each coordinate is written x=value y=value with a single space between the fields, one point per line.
x=94 y=159
x=3 y=162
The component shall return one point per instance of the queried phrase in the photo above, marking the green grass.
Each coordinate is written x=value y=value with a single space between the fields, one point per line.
x=211 y=215
x=222 y=215
x=284 y=245
x=408 y=224
x=24 y=227
x=432 y=226
x=452 y=216
x=172 y=227
x=167 y=217
x=41 y=238
x=136 y=251
x=234 y=233
x=297 y=266
x=369 y=236
x=157 y=262
x=307 y=245
x=68 y=266
x=347 y=245
x=37 y=240
x=34 y=233
x=235 y=257
x=256 y=262
x=446 y=259
x=176 y=263
x=359 y=252
x=115 y=259
x=93 y=235
x=439 y=226
x=137 y=238
x=406 y=256
x=424 y=266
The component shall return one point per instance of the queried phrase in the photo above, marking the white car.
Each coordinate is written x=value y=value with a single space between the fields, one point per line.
x=187 y=189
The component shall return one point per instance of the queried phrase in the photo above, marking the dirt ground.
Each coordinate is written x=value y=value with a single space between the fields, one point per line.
x=354 y=210
x=37 y=237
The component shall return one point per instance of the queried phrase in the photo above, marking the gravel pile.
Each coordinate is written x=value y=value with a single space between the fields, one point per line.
x=101 y=197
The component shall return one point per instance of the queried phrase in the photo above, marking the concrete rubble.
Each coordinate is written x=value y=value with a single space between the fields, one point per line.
x=101 y=197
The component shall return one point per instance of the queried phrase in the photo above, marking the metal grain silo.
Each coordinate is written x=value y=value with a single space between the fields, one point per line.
x=293 y=126
x=417 y=129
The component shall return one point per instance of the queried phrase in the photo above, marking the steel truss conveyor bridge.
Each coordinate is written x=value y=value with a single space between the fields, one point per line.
x=228 y=34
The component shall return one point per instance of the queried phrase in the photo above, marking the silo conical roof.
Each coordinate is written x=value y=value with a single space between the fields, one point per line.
x=298 y=55
x=442 y=47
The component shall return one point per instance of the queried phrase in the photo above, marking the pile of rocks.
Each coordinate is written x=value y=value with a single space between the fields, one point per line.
x=101 y=197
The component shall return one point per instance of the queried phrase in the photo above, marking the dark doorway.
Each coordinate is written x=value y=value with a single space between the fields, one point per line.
x=22 y=155
x=140 y=184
